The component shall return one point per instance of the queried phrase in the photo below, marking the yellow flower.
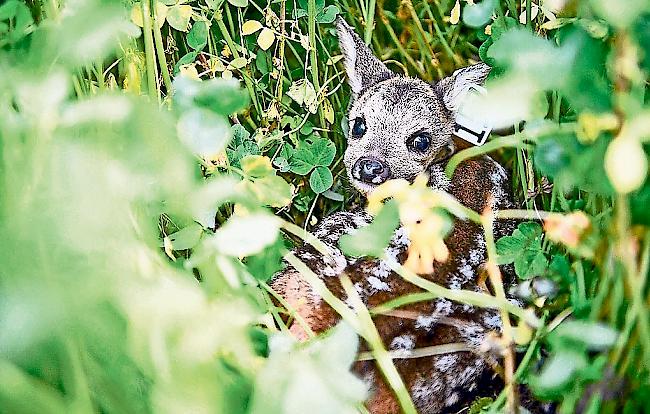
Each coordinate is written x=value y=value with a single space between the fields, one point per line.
x=566 y=229
x=427 y=243
x=425 y=227
x=590 y=125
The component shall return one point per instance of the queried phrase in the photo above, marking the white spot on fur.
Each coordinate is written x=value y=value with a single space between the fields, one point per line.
x=492 y=320
x=334 y=263
x=400 y=238
x=476 y=256
x=443 y=307
x=444 y=362
x=307 y=256
x=403 y=342
x=377 y=284
x=454 y=281
x=472 y=332
x=424 y=388
x=425 y=321
x=382 y=270
x=466 y=270
x=452 y=399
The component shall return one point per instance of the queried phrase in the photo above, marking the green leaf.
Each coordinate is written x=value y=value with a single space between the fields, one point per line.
x=526 y=54
x=186 y=238
x=620 y=13
x=247 y=147
x=203 y=132
x=21 y=16
x=186 y=59
x=572 y=164
x=302 y=161
x=303 y=200
x=332 y=195
x=328 y=14
x=307 y=128
x=266 y=263
x=372 y=239
x=560 y=268
x=197 y=38
x=320 y=5
x=282 y=160
x=246 y=235
x=524 y=248
x=239 y=135
x=272 y=191
x=238 y=3
x=478 y=14
x=281 y=163
x=257 y=166
x=594 y=336
x=321 y=179
x=312 y=377
x=261 y=62
x=179 y=16
x=223 y=96
x=323 y=151
x=559 y=370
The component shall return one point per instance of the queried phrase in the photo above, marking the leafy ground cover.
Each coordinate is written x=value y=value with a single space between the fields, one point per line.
x=126 y=125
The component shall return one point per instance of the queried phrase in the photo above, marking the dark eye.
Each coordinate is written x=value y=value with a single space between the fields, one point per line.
x=419 y=142
x=359 y=127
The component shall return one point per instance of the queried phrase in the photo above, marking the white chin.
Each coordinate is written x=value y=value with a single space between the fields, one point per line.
x=363 y=188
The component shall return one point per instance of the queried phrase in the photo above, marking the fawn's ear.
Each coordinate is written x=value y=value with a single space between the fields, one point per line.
x=362 y=67
x=452 y=89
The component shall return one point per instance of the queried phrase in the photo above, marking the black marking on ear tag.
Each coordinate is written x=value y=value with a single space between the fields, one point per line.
x=471 y=130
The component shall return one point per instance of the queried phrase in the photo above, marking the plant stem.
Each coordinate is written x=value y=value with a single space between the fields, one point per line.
x=635 y=281
x=160 y=53
x=422 y=40
x=281 y=42
x=397 y=43
x=370 y=22
x=422 y=352
x=443 y=41
x=313 y=56
x=382 y=357
x=462 y=296
x=148 y=48
x=218 y=17
x=497 y=283
x=292 y=311
x=511 y=141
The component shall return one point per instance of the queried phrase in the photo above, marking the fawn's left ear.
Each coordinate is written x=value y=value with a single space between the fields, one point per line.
x=452 y=89
x=362 y=67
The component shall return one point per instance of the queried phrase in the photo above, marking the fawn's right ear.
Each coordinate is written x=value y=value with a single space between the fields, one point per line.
x=362 y=67
x=453 y=88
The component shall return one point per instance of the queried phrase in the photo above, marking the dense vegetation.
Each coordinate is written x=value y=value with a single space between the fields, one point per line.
x=158 y=158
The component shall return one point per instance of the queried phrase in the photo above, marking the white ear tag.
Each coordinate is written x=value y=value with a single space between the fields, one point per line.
x=471 y=129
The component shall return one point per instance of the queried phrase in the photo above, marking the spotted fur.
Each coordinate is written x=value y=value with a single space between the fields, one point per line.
x=394 y=107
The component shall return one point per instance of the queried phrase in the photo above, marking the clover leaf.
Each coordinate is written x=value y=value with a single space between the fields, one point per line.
x=524 y=248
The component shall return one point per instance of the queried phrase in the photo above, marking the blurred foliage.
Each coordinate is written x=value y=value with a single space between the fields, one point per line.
x=138 y=182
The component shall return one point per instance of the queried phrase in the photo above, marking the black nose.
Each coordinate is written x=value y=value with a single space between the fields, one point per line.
x=371 y=170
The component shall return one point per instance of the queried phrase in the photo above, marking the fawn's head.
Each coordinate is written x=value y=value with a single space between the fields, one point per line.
x=399 y=127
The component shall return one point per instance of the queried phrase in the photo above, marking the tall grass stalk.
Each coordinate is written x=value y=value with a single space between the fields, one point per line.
x=149 y=48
